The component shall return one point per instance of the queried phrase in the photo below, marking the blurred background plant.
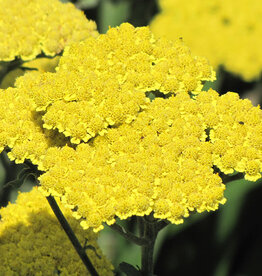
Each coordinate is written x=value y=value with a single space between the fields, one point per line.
x=225 y=242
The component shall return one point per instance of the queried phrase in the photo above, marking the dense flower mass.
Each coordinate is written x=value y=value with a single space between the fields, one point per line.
x=33 y=243
x=21 y=128
x=29 y=27
x=227 y=32
x=80 y=101
x=125 y=129
x=163 y=162
x=95 y=89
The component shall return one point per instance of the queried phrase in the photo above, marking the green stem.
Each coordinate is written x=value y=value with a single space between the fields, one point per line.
x=149 y=231
x=71 y=235
x=127 y=235
x=147 y=264
x=228 y=178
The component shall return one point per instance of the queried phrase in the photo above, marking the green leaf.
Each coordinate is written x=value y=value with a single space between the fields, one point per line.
x=129 y=270
x=86 y=4
x=214 y=84
x=230 y=212
x=112 y=13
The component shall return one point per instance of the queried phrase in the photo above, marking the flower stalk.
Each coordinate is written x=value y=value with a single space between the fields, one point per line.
x=71 y=235
x=149 y=229
x=149 y=232
x=127 y=235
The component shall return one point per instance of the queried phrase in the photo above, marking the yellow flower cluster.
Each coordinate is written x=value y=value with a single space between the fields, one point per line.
x=81 y=104
x=33 y=243
x=145 y=156
x=21 y=128
x=163 y=162
x=227 y=32
x=29 y=27
x=101 y=82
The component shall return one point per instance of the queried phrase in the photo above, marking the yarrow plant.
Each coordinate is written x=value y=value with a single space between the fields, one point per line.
x=227 y=32
x=122 y=128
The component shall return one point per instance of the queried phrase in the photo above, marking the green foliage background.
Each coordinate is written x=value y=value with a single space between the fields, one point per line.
x=226 y=242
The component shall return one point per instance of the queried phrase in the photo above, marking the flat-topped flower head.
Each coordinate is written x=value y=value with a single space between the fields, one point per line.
x=227 y=32
x=33 y=243
x=103 y=82
x=165 y=161
x=144 y=139
x=31 y=27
